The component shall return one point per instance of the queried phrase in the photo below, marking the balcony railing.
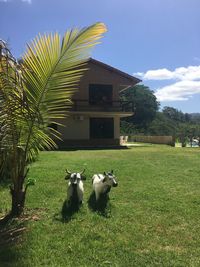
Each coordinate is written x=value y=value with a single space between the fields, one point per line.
x=111 y=106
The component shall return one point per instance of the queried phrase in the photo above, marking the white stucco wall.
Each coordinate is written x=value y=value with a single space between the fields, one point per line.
x=77 y=127
x=116 y=127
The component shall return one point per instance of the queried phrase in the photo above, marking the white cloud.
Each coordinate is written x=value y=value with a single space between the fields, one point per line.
x=182 y=73
x=190 y=73
x=25 y=1
x=160 y=74
x=140 y=74
x=179 y=91
x=185 y=82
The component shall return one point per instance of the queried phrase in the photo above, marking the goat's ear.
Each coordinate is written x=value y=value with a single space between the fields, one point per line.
x=67 y=177
x=104 y=173
x=82 y=172
x=104 y=179
x=112 y=171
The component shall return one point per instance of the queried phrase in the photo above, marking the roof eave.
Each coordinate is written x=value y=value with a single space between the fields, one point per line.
x=133 y=79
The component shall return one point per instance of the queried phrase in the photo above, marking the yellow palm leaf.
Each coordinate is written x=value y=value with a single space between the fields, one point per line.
x=52 y=71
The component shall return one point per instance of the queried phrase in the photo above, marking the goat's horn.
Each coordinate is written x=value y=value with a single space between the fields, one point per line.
x=67 y=171
x=82 y=171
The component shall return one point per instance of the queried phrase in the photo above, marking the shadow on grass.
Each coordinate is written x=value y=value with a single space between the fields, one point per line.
x=5 y=183
x=11 y=236
x=102 y=207
x=75 y=148
x=67 y=212
x=4 y=221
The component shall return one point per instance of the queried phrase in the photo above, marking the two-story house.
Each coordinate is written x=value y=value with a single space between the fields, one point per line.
x=94 y=119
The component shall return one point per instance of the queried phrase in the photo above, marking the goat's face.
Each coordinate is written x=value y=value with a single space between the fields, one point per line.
x=110 y=178
x=75 y=177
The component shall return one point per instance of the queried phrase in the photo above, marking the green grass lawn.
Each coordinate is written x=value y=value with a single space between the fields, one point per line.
x=153 y=218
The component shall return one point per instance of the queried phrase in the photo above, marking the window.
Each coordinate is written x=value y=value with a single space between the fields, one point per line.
x=100 y=94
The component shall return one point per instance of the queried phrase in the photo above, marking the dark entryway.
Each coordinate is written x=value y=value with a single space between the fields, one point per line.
x=101 y=128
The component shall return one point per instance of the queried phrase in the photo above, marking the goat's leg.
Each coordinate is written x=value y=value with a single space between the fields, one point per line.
x=80 y=194
x=97 y=195
x=69 y=194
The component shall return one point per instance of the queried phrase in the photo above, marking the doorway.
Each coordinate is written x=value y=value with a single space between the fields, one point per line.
x=101 y=128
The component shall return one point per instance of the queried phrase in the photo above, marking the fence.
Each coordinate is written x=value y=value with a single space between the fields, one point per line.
x=168 y=140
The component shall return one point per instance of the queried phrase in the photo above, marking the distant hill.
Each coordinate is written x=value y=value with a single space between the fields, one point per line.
x=195 y=117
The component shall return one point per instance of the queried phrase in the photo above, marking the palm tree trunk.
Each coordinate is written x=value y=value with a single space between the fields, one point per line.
x=18 y=201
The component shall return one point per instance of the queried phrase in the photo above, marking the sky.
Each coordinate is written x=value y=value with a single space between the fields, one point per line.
x=157 y=41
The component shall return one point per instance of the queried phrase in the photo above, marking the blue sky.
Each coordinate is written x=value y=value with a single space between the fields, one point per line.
x=157 y=40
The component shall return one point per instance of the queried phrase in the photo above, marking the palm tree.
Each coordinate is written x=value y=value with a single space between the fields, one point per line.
x=34 y=94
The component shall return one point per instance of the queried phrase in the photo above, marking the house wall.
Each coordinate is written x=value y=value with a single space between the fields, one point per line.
x=98 y=75
x=117 y=127
x=75 y=128
x=78 y=128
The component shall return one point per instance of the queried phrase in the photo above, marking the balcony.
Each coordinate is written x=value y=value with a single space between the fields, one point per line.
x=111 y=106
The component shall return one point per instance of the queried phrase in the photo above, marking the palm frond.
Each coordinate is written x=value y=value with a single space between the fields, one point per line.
x=10 y=112
x=52 y=72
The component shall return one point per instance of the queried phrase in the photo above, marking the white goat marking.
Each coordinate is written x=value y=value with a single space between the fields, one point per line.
x=102 y=184
x=75 y=188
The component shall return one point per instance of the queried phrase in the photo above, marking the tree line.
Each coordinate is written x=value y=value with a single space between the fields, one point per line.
x=148 y=119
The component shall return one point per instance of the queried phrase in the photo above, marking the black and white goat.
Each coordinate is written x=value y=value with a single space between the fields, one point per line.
x=102 y=184
x=75 y=188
